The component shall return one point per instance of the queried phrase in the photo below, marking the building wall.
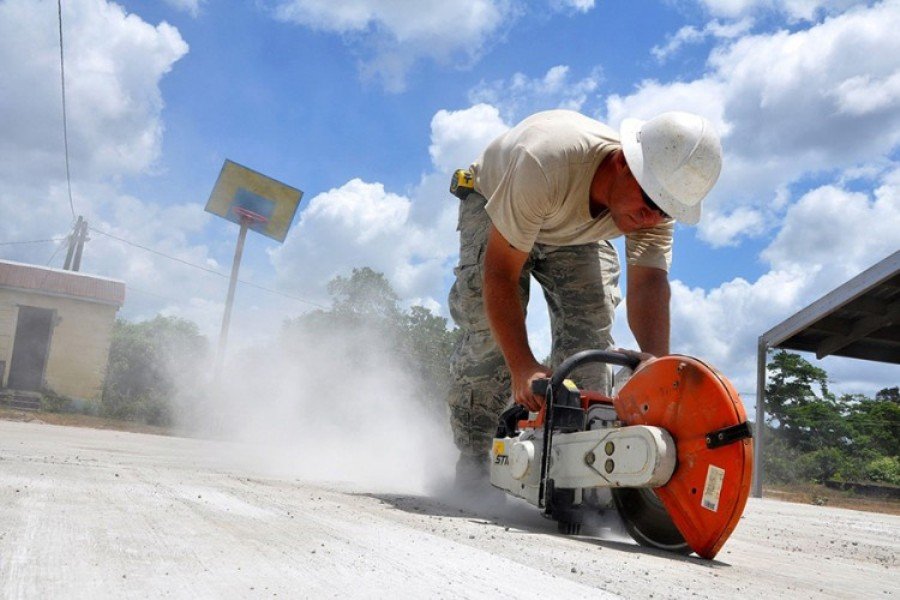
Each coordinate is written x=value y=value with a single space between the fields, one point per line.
x=79 y=342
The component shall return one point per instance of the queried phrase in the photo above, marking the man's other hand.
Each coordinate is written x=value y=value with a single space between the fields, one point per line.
x=521 y=386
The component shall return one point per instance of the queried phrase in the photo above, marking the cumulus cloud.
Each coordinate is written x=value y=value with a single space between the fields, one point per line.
x=113 y=67
x=411 y=238
x=458 y=137
x=691 y=35
x=829 y=236
x=115 y=62
x=192 y=7
x=521 y=95
x=581 y=6
x=796 y=10
x=789 y=104
x=396 y=33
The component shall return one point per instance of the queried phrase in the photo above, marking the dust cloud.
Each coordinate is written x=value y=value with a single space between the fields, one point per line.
x=338 y=408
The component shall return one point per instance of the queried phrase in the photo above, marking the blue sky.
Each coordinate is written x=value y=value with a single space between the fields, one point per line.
x=367 y=106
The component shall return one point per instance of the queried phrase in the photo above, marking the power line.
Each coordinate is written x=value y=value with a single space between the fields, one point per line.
x=207 y=269
x=62 y=72
x=50 y=260
x=33 y=241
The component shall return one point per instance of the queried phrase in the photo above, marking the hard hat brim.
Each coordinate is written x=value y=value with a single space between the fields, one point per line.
x=629 y=135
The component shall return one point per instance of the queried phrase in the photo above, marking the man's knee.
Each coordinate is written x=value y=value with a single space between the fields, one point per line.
x=475 y=407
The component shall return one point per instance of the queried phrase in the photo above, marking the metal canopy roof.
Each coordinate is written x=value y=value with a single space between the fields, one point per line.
x=860 y=319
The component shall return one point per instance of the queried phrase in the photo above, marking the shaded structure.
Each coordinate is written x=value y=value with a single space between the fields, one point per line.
x=55 y=332
x=859 y=319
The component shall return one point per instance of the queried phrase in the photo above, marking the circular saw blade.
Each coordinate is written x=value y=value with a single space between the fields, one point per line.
x=647 y=521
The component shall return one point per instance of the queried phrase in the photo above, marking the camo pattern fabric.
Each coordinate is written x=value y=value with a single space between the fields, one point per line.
x=580 y=284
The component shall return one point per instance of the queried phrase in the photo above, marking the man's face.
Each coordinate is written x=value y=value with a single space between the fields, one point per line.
x=629 y=210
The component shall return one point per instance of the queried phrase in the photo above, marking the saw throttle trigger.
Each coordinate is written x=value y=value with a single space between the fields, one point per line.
x=729 y=435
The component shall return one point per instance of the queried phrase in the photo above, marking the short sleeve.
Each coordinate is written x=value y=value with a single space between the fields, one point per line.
x=651 y=247
x=521 y=202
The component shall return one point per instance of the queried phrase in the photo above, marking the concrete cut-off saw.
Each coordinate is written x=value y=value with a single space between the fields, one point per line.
x=670 y=450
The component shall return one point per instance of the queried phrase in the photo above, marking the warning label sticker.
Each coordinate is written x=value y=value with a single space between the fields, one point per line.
x=713 y=488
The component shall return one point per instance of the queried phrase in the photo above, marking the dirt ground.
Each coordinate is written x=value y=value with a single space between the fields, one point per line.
x=90 y=513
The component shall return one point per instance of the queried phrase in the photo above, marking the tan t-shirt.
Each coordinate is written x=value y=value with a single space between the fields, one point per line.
x=537 y=179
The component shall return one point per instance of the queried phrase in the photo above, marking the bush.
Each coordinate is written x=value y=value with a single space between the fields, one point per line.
x=148 y=362
x=51 y=402
x=820 y=465
x=885 y=469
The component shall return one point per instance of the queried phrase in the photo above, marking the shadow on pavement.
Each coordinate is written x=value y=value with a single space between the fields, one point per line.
x=492 y=507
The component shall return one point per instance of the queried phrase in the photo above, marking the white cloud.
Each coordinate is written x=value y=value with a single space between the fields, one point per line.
x=582 y=6
x=358 y=225
x=114 y=63
x=399 y=32
x=829 y=236
x=794 y=9
x=458 y=137
x=412 y=239
x=192 y=7
x=691 y=35
x=790 y=104
x=832 y=229
x=728 y=229
x=521 y=95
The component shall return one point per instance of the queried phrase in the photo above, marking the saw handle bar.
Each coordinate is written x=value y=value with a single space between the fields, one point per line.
x=539 y=386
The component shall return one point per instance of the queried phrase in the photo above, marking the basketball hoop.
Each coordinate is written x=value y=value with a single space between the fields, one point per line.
x=248 y=216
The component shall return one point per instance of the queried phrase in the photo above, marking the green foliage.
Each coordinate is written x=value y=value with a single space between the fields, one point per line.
x=821 y=464
x=52 y=402
x=885 y=469
x=815 y=436
x=147 y=362
x=807 y=419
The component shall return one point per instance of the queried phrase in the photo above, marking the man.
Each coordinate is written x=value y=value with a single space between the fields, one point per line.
x=548 y=196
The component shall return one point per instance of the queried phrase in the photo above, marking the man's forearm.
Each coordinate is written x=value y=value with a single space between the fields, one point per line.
x=507 y=320
x=648 y=310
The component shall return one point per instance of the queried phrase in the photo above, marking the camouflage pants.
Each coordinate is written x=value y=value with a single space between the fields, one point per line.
x=580 y=284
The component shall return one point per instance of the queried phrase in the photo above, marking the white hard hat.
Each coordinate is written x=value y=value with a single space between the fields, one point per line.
x=676 y=158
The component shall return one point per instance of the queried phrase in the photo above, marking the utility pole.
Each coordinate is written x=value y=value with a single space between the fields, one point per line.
x=82 y=238
x=73 y=241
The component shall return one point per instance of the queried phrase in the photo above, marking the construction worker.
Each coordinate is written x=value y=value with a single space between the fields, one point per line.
x=544 y=201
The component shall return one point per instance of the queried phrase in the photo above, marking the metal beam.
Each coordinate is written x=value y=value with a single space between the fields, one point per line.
x=862 y=328
x=837 y=298
x=761 y=354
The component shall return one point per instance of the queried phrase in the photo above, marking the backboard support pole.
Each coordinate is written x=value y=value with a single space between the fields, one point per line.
x=229 y=301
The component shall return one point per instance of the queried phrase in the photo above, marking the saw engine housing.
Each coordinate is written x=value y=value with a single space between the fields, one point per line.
x=671 y=451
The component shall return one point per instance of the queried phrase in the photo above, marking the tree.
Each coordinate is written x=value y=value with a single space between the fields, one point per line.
x=876 y=422
x=799 y=403
x=365 y=294
x=818 y=437
x=148 y=361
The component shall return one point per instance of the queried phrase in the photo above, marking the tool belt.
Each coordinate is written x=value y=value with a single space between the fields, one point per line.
x=462 y=183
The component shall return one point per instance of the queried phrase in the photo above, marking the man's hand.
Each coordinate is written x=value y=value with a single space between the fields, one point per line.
x=643 y=357
x=521 y=386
